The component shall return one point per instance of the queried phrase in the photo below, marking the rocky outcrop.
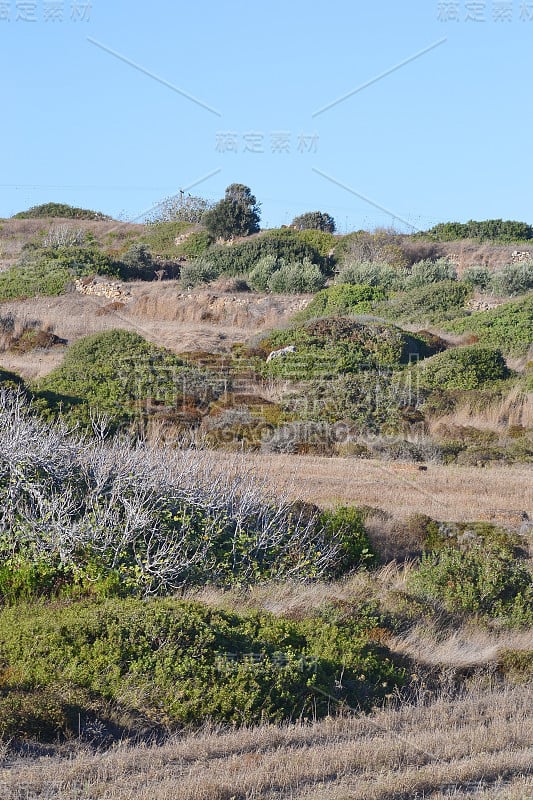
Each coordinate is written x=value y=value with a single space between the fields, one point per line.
x=96 y=288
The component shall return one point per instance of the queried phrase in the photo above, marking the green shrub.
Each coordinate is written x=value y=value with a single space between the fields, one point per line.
x=197 y=272
x=435 y=302
x=241 y=258
x=347 y=525
x=373 y=273
x=296 y=277
x=425 y=272
x=260 y=275
x=463 y=368
x=44 y=277
x=161 y=237
x=59 y=210
x=118 y=372
x=338 y=345
x=182 y=663
x=477 y=277
x=196 y=244
x=342 y=299
x=320 y=241
x=368 y=402
x=513 y=279
x=137 y=263
x=490 y=582
x=494 y=230
x=507 y=327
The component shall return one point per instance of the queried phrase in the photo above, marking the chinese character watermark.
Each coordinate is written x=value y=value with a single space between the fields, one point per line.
x=48 y=11
x=276 y=142
x=478 y=11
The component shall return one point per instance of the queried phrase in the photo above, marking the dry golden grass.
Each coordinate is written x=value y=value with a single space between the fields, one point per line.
x=448 y=747
x=161 y=312
x=443 y=492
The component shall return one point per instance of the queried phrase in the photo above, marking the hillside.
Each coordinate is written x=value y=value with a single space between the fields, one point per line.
x=266 y=509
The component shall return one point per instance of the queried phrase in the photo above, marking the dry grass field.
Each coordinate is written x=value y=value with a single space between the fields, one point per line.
x=498 y=494
x=477 y=746
x=162 y=313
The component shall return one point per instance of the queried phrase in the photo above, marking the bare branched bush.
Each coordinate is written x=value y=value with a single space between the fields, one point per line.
x=64 y=236
x=159 y=519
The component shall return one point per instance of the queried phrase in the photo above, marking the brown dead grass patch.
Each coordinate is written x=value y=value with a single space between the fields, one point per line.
x=453 y=493
x=482 y=741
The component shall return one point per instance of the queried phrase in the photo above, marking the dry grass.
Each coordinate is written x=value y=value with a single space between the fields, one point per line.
x=443 y=492
x=478 y=745
x=161 y=312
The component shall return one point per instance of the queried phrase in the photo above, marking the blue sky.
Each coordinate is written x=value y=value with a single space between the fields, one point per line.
x=446 y=136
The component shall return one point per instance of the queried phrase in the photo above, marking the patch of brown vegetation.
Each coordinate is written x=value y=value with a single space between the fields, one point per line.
x=480 y=745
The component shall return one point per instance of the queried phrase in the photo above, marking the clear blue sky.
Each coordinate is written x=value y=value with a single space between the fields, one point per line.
x=446 y=136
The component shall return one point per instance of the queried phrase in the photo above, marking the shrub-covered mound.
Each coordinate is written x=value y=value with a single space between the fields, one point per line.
x=122 y=375
x=463 y=368
x=180 y=663
x=49 y=271
x=508 y=327
x=239 y=259
x=492 y=230
x=62 y=210
x=338 y=345
x=432 y=303
x=342 y=299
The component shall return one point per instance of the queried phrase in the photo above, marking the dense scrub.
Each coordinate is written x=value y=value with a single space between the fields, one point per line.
x=463 y=368
x=508 y=327
x=339 y=345
x=62 y=210
x=181 y=663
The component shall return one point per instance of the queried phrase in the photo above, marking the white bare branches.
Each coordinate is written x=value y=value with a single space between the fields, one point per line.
x=161 y=519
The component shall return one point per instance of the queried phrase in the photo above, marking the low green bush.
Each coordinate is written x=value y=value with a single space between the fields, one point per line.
x=59 y=210
x=160 y=237
x=477 y=277
x=488 y=581
x=196 y=244
x=120 y=374
x=495 y=230
x=369 y=402
x=342 y=299
x=137 y=263
x=463 y=368
x=296 y=277
x=373 y=273
x=338 y=345
x=507 y=327
x=435 y=302
x=181 y=663
x=241 y=258
x=346 y=524
x=427 y=271
x=513 y=279
x=198 y=272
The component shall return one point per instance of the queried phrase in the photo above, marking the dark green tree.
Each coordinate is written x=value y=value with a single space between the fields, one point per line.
x=317 y=220
x=236 y=215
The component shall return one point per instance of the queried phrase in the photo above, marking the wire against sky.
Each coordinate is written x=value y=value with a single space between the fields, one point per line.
x=154 y=76
x=379 y=77
x=366 y=199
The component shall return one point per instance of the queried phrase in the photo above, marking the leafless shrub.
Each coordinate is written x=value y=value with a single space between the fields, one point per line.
x=64 y=236
x=166 y=518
